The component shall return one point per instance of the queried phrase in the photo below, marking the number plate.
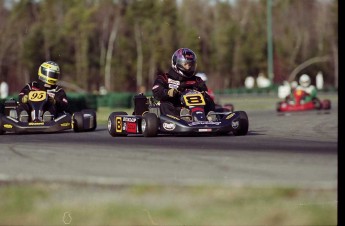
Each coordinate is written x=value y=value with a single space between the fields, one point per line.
x=36 y=96
x=195 y=99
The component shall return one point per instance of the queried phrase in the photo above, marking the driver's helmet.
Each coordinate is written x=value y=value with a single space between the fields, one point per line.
x=183 y=61
x=201 y=75
x=304 y=80
x=49 y=72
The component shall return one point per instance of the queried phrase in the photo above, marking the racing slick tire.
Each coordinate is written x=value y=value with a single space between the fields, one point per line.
x=91 y=120
x=78 y=122
x=243 y=124
x=326 y=104
x=149 y=125
x=112 y=124
x=84 y=120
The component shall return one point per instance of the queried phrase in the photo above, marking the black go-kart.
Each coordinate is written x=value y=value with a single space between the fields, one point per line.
x=148 y=121
x=38 y=122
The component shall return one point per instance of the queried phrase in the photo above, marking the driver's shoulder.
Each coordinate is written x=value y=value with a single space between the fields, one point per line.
x=58 y=89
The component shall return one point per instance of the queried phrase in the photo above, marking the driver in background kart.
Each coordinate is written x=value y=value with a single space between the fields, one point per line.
x=181 y=75
x=48 y=75
x=305 y=85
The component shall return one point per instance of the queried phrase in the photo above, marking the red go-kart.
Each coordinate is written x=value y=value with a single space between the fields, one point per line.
x=298 y=103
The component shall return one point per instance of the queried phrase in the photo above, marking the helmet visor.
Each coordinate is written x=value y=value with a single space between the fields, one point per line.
x=188 y=66
x=48 y=76
x=50 y=73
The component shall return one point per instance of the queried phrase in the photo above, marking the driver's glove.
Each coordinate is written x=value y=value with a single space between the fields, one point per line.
x=172 y=92
x=25 y=99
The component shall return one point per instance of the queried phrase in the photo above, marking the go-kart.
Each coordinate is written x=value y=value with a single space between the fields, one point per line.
x=148 y=120
x=37 y=122
x=298 y=104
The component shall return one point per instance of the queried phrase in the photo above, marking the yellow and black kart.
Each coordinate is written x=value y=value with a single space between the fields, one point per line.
x=37 y=122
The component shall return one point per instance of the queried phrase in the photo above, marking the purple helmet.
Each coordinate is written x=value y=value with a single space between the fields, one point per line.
x=183 y=61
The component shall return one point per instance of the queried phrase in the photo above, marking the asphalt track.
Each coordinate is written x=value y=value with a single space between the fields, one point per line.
x=297 y=149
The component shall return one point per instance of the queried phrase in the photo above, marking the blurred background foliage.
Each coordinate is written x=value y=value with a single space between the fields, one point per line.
x=122 y=44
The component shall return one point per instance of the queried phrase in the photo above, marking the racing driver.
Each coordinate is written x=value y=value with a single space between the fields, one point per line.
x=48 y=75
x=181 y=75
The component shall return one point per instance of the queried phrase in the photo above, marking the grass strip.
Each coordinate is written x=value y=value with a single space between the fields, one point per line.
x=58 y=204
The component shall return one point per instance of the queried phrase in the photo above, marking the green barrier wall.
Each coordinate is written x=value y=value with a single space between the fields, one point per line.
x=79 y=101
x=115 y=100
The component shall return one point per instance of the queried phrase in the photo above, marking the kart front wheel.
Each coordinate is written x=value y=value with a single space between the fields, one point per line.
x=149 y=125
x=243 y=124
x=114 y=126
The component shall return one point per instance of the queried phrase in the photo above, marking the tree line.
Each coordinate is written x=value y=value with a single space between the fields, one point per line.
x=122 y=44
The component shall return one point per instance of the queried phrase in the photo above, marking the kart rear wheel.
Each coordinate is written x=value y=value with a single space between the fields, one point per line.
x=326 y=104
x=149 y=125
x=112 y=124
x=78 y=122
x=243 y=124
x=92 y=115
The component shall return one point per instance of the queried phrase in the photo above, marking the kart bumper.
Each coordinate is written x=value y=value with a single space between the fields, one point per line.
x=169 y=126
x=12 y=125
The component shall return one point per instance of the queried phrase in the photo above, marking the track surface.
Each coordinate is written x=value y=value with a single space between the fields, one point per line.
x=297 y=149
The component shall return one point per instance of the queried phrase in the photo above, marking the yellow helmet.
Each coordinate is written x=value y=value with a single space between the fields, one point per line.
x=49 y=72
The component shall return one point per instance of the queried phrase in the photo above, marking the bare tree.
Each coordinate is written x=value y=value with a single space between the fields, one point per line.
x=109 y=53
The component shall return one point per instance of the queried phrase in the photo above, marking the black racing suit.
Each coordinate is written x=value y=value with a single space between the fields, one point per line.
x=61 y=102
x=172 y=105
